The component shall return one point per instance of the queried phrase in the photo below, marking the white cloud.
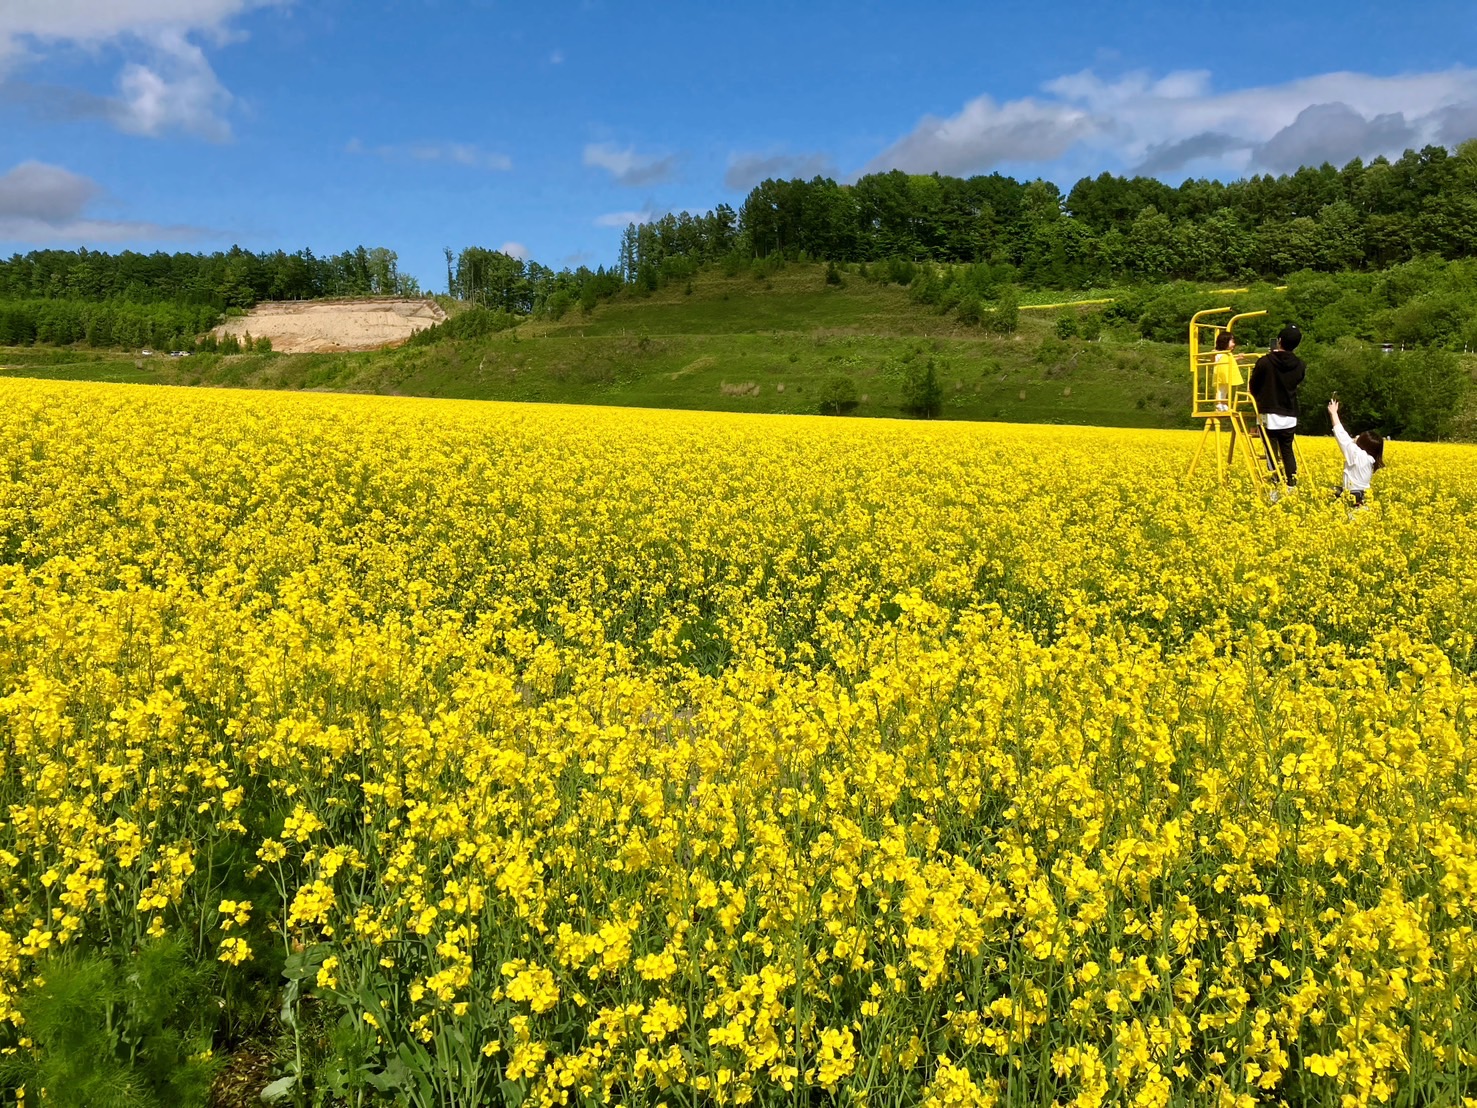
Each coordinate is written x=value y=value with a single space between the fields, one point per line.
x=166 y=84
x=452 y=153
x=620 y=219
x=47 y=204
x=179 y=91
x=1161 y=125
x=747 y=170
x=985 y=133
x=627 y=166
x=515 y=250
x=92 y=21
x=556 y=58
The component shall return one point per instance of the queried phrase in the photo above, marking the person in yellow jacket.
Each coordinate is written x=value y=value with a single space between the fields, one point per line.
x=1227 y=372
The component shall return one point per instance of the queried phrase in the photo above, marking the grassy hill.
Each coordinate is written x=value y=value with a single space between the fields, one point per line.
x=742 y=343
x=732 y=343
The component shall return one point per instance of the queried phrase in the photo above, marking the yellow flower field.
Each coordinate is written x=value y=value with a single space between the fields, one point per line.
x=557 y=756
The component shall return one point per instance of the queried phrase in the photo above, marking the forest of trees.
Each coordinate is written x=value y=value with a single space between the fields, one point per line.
x=234 y=278
x=491 y=279
x=1106 y=230
x=107 y=323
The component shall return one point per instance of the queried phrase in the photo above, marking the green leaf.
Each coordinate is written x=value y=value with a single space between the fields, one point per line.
x=393 y=1076
x=289 y=1004
x=279 y=1088
x=513 y=1093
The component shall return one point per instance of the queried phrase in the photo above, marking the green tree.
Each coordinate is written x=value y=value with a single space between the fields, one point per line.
x=1004 y=318
x=923 y=395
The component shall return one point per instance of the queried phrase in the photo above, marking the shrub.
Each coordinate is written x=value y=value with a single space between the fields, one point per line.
x=1090 y=326
x=559 y=303
x=837 y=395
x=131 y=1032
x=1004 y=318
x=1066 y=324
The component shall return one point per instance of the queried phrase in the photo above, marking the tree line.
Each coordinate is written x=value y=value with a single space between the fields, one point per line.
x=1106 y=229
x=234 y=278
x=108 y=323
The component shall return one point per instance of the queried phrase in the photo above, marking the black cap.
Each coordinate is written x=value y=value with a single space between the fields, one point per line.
x=1289 y=337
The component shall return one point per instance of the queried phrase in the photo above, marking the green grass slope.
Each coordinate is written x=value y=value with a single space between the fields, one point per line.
x=743 y=343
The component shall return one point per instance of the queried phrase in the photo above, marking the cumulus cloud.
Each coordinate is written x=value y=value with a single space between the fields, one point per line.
x=620 y=219
x=178 y=90
x=1162 y=125
x=167 y=82
x=1166 y=157
x=45 y=193
x=515 y=250
x=46 y=204
x=1333 y=133
x=747 y=170
x=986 y=133
x=451 y=153
x=1458 y=123
x=629 y=167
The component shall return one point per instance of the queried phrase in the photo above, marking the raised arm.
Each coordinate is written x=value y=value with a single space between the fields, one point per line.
x=1346 y=443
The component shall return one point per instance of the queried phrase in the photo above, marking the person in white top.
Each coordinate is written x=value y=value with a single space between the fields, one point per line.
x=1362 y=456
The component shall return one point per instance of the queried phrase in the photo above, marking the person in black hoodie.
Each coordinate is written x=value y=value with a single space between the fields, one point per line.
x=1274 y=385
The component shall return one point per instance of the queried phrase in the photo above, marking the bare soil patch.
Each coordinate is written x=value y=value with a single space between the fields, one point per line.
x=330 y=326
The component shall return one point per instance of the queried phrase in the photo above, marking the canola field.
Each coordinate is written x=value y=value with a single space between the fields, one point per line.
x=556 y=756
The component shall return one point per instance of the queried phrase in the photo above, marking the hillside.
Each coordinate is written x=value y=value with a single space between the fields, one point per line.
x=747 y=343
x=725 y=343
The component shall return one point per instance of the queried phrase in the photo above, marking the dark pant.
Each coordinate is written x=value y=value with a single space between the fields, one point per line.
x=1281 y=441
x=1356 y=495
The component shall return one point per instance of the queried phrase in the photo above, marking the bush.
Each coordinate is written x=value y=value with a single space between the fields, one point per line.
x=130 y=1032
x=473 y=323
x=923 y=396
x=1090 y=326
x=1004 y=318
x=1066 y=324
x=898 y=271
x=559 y=303
x=928 y=287
x=837 y=395
x=970 y=310
x=833 y=275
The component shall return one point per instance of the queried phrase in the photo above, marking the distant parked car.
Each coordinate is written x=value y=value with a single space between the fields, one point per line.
x=147 y=353
x=179 y=353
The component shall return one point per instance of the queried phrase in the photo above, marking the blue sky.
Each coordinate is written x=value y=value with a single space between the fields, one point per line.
x=193 y=124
